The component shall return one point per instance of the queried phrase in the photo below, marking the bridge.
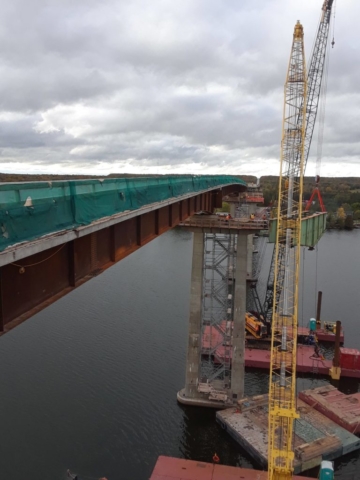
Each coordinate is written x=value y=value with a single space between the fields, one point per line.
x=57 y=235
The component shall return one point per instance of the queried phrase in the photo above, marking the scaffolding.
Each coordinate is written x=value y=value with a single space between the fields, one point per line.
x=217 y=317
x=217 y=312
x=242 y=210
x=253 y=302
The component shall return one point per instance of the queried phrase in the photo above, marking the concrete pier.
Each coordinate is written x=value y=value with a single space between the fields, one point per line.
x=238 y=361
x=213 y=394
x=194 y=340
x=218 y=302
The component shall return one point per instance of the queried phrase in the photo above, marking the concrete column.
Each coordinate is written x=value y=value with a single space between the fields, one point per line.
x=250 y=247
x=194 y=344
x=249 y=268
x=232 y=209
x=238 y=361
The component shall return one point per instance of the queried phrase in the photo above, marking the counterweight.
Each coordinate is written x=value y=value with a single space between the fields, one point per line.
x=282 y=391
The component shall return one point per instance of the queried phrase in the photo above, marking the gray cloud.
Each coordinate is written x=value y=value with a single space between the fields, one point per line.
x=98 y=86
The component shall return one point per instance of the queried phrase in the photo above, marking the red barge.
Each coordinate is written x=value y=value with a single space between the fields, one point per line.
x=307 y=361
x=169 y=468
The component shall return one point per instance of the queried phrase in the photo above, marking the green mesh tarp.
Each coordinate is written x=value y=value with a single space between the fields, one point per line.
x=30 y=210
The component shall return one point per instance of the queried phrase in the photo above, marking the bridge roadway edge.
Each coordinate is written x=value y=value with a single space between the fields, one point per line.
x=35 y=274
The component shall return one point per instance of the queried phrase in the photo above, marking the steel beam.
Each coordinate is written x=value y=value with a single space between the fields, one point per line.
x=34 y=277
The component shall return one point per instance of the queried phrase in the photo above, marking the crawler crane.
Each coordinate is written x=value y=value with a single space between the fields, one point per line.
x=282 y=390
x=315 y=78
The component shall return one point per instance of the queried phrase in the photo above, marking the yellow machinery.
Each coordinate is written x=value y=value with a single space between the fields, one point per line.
x=255 y=326
x=282 y=390
x=330 y=326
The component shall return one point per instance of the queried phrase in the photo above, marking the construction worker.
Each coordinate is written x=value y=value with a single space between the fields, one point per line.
x=311 y=340
x=215 y=458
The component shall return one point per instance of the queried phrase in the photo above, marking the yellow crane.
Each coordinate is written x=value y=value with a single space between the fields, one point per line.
x=282 y=390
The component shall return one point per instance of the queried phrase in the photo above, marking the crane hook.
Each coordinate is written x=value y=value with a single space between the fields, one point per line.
x=333 y=43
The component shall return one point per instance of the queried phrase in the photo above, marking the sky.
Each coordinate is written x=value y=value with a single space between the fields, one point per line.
x=113 y=86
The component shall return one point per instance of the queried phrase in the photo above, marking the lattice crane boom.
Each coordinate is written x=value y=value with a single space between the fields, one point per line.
x=314 y=81
x=315 y=74
x=282 y=390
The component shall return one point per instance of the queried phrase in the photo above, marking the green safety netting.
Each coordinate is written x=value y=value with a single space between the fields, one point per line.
x=30 y=210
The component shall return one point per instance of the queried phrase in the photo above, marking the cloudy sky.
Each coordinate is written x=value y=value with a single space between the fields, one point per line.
x=196 y=86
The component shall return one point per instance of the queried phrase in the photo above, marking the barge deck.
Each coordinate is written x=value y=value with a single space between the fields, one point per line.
x=169 y=468
x=317 y=437
x=339 y=407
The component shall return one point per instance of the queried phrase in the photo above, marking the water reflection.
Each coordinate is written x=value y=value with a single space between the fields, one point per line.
x=90 y=383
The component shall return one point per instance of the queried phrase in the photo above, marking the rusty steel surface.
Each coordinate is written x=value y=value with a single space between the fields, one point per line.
x=169 y=468
x=316 y=437
x=192 y=201
x=215 y=222
x=341 y=408
x=32 y=283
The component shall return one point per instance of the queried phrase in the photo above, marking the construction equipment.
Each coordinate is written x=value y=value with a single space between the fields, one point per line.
x=282 y=390
x=315 y=192
x=255 y=326
x=314 y=82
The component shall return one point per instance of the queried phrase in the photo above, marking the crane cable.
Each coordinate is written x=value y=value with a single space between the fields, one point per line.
x=322 y=107
x=333 y=39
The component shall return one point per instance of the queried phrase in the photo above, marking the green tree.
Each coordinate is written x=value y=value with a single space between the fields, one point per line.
x=347 y=207
x=340 y=223
x=349 y=222
x=342 y=198
x=355 y=206
x=225 y=207
x=357 y=215
x=331 y=221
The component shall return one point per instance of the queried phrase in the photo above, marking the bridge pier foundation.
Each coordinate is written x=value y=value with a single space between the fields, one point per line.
x=223 y=393
x=193 y=359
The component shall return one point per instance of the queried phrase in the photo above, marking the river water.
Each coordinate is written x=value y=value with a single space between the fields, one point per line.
x=90 y=383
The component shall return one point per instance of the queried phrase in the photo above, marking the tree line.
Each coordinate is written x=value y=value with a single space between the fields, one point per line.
x=341 y=197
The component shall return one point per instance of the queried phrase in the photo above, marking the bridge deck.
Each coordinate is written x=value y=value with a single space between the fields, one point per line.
x=58 y=235
x=30 y=210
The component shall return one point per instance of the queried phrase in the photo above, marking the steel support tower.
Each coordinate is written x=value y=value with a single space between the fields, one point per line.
x=217 y=311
